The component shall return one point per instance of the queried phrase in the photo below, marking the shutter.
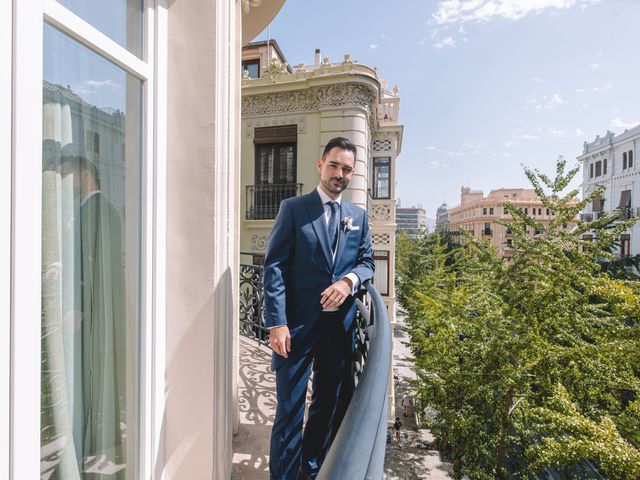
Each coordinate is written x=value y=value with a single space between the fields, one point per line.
x=279 y=134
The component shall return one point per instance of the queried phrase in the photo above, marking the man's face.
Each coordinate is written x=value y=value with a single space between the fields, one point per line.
x=336 y=171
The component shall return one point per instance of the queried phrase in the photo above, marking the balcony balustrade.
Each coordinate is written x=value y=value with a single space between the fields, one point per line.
x=263 y=201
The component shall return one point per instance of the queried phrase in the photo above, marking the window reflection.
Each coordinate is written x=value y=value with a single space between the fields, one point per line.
x=120 y=20
x=90 y=270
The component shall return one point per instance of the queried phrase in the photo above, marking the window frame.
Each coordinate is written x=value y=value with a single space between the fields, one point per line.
x=251 y=61
x=384 y=255
x=22 y=56
x=374 y=164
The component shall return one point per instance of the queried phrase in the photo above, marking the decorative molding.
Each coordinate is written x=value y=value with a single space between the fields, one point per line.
x=275 y=70
x=259 y=242
x=299 y=120
x=247 y=5
x=380 y=238
x=381 y=212
x=382 y=145
x=312 y=99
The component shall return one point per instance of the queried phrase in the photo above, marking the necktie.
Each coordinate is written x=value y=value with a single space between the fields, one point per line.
x=333 y=225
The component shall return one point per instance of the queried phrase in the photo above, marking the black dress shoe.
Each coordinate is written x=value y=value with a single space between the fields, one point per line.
x=304 y=476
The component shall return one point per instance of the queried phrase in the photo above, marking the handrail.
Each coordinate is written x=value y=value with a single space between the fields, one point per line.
x=357 y=452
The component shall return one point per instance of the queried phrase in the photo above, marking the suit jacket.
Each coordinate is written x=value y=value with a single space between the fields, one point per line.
x=299 y=266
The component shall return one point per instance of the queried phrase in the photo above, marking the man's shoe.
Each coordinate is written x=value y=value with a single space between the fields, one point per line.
x=304 y=476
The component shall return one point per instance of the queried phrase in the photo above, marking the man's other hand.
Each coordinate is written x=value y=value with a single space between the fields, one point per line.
x=280 y=340
x=335 y=294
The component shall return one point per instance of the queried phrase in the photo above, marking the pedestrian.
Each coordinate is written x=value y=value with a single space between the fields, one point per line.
x=396 y=426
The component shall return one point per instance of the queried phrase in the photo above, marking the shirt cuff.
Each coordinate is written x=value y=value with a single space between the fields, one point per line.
x=355 y=281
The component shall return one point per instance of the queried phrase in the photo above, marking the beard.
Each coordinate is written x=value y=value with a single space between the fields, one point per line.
x=331 y=187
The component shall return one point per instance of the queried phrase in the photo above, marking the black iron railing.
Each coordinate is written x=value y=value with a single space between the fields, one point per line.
x=357 y=452
x=251 y=301
x=263 y=201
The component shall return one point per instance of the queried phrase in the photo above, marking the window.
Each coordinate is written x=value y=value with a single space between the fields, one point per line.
x=604 y=167
x=539 y=211
x=275 y=171
x=547 y=212
x=526 y=211
x=120 y=20
x=252 y=67
x=591 y=170
x=508 y=230
x=490 y=210
x=598 y=168
x=91 y=256
x=630 y=158
x=509 y=243
x=624 y=160
x=484 y=211
x=625 y=245
x=381 y=274
x=381 y=177
x=487 y=229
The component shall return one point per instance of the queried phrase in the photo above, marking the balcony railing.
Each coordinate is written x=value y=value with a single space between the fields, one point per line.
x=357 y=452
x=263 y=201
x=591 y=216
x=358 y=449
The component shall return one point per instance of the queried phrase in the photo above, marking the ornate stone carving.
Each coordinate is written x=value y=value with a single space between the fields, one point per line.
x=381 y=212
x=259 y=242
x=382 y=145
x=380 y=238
x=275 y=69
x=247 y=5
x=315 y=98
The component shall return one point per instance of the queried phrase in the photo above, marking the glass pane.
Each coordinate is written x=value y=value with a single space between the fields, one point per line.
x=120 y=20
x=91 y=182
x=287 y=165
x=380 y=276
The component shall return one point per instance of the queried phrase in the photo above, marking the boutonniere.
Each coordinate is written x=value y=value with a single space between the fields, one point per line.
x=347 y=224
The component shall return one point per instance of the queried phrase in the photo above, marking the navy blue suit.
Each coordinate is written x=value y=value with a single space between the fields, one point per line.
x=298 y=267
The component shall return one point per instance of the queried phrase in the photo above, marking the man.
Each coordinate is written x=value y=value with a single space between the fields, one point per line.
x=319 y=253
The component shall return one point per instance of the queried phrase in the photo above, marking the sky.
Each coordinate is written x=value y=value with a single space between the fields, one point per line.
x=485 y=85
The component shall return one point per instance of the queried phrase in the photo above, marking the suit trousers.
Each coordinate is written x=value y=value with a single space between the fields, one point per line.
x=292 y=449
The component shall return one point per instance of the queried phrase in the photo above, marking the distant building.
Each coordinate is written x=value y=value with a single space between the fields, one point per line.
x=442 y=218
x=412 y=221
x=611 y=162
x=478 y=214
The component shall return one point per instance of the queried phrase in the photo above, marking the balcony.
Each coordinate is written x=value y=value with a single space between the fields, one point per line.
x=263 y=201
x=591 y=216
x=358 y=450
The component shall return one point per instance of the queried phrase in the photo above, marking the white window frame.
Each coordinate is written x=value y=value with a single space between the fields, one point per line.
x=6 y=33
x=21 y=75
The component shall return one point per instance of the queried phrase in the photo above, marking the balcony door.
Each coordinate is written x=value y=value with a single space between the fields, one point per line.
x=275 y=169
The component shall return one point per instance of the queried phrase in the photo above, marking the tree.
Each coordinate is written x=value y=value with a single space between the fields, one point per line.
x=507 y=352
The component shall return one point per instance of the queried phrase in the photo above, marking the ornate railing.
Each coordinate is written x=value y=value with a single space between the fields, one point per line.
x=357 y=452
x=263 y=201
x=251 y=301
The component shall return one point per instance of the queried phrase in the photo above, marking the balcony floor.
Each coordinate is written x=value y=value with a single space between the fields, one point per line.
x=410 y=459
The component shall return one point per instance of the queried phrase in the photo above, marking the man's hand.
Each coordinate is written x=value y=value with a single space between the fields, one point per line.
x=335 y=294
x=280 y=340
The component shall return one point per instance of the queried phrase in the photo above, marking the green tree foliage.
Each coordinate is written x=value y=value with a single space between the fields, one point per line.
x=532 y=362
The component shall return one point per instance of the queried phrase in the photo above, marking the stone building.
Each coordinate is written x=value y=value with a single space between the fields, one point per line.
x=288 y=115
x=478 y=214
x=411 y=220
x=442 y=218
x=611 y=162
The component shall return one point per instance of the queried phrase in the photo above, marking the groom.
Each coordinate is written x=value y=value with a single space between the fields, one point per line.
x=319 y=253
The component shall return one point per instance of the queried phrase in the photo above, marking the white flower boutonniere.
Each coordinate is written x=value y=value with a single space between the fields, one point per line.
x=347 y=224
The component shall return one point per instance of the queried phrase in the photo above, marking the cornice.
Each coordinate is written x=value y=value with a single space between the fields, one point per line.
x=310 y=99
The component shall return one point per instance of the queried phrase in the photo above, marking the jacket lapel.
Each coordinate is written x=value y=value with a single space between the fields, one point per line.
x=316 y=215
x=342 y=233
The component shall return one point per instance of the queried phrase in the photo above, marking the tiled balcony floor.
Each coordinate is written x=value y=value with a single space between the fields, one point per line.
x=257 y=405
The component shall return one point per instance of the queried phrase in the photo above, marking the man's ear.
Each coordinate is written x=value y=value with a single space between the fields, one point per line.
x=319 y=164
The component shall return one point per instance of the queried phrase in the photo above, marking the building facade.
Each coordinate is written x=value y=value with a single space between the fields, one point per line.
x=288 y=115
x=478 y=214
x=412 y=221
x=119 y=271
x=610 y=162
x=442 y=218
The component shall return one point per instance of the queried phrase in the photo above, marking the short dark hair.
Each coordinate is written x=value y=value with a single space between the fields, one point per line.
x=80 y=163
x=340 y=142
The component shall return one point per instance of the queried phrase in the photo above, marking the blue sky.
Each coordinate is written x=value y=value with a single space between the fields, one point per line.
x=485 y=85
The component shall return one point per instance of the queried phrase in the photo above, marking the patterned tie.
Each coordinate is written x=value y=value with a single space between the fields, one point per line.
x=333 y=224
